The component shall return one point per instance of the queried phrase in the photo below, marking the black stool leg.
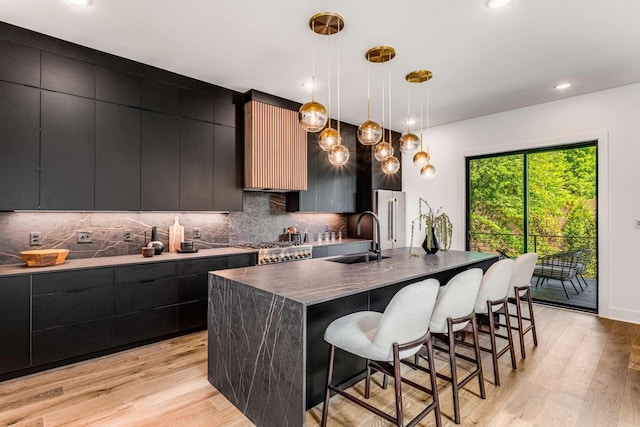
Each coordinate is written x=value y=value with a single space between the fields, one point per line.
x=454 y=372
x=327 y=395
x=434 y=382
x=397 y=378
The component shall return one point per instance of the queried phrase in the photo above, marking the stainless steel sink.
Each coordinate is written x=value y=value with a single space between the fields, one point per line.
x=357 y=258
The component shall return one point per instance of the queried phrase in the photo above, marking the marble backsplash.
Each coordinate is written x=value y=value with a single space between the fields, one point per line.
x=264 y=218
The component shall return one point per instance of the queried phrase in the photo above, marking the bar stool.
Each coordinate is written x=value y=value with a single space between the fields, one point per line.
x=452 y=313
x=519 y=292
x=492 y=300
x=383 y=339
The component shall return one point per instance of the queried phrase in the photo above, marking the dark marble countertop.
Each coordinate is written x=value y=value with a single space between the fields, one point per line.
x=318 y=280
x=83 y=263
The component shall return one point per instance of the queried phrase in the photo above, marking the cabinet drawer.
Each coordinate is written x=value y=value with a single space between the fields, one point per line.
x=14 y=323
x=192 y=288
x=69 y=341
x=201 y=265
x=145 y=325
x=63 y=281
x=320 y=251
x=131 y=297
x=192 y=315
x=64 y=308
x=243 y=260
x=146 y=272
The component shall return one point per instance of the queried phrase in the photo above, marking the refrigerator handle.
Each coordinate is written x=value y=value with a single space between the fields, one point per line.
x=393 y=219
x=390 y=222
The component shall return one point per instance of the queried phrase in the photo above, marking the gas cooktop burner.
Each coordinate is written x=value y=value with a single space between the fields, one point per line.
x=268 y=245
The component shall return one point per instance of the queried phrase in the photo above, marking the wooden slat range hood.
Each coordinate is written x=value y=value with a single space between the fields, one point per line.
x=275 y=156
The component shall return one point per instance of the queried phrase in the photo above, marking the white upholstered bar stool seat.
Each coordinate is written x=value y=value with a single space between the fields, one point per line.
x=452 y=313
x=383 y=339
x=520 y=292
x=491 y=302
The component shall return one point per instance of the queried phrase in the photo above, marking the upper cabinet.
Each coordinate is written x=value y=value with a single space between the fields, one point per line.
x=85 y=130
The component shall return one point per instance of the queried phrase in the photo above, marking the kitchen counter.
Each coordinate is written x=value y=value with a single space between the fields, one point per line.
x=84 y=263
x=266 y=324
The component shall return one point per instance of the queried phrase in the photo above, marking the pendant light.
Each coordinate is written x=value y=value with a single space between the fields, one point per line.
x=391 y=164
x=329 y=137
x=369 y=132
x=381 y=54
x=338 y=154
x=409 y=142
x=312 y=115
x=421 y=158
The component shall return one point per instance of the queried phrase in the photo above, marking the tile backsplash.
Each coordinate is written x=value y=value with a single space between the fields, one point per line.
x=264 y=218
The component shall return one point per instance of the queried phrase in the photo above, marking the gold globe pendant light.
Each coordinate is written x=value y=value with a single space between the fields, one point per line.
x=369 y=132
x=428 y=171
x=312 y=115
x=391 y=165
x=338 y=155
x=421 y=158
x=409 y=142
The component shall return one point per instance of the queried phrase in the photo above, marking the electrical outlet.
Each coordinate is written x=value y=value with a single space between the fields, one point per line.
x=637 y=222
x=196 y=233
x=128 y=236
x=35 y=238
x=85 y=237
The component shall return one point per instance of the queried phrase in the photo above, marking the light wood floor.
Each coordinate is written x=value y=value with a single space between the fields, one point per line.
x=585 y=372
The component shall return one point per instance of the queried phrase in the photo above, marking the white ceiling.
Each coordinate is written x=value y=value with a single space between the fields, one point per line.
x=484 y=60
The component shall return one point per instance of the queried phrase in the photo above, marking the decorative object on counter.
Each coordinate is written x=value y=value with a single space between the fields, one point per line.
x=187 y=247
x=176 y=236
x=438 y=227
x=148 y=251
x=155 y=243
x=44 y=257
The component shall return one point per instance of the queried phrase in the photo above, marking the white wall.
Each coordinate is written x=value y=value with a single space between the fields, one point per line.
x=612 y=117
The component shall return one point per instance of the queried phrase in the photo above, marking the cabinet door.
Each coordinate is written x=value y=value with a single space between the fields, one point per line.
x=160 y=97
x=224 y=107
x=61 y=343
x=227 y=168
x=196 y=105
x=196 y=165
x=145 y=325
x=14 y=323
x=20 y=135
x=117 y=157
x=67 y=152
x=19 y=64
x=307 y=201
x=160 y=162
x=327 y=175
x=68 y=75
x=117 y=86
x=145 y=287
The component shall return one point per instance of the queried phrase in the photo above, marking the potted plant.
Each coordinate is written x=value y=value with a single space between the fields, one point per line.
x=437 y=226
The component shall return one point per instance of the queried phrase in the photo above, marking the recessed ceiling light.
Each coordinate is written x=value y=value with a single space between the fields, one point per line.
x=81 y=2
x=495 y=4
x=409 y=121
x=561 y=86
x=308 y=85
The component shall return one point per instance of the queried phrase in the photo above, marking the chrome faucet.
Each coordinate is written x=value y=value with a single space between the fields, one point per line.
x=376 y=238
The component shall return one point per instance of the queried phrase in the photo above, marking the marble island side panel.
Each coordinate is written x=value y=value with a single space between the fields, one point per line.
x=256 y=352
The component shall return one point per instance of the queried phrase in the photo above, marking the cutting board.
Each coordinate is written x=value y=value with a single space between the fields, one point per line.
x=176 y=235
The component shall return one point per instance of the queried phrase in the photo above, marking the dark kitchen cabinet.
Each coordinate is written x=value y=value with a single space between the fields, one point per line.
x=20 y=135
x=68 y=75
x=321 y=251
x=15 y=294
x=19 y=64
x=329 y=188
x=117 y=86
x=67 y=152
x=145 y=325
x=196 y=165
x=196 y=105
x=160 y=167
x=227 y=168
x=71 y=314
x=160 y=97
x=117 y=162
x=225 y=105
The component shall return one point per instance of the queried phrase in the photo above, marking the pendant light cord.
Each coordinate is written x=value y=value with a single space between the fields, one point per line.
x=421 y=128
x=339 y=139
x=389 y=98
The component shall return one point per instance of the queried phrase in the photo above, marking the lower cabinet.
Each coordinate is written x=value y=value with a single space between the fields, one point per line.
x=47 y=318
x=14 y=323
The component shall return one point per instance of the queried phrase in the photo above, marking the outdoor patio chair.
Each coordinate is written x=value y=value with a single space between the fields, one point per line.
x=586 y=255
x=561 y=266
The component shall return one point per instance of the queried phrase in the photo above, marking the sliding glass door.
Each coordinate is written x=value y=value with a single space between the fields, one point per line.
x=543 y=201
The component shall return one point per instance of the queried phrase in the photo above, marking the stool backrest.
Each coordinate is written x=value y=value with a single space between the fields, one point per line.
x=456 y=299
x=523 y=268
x=407 y=315
x=495 y=284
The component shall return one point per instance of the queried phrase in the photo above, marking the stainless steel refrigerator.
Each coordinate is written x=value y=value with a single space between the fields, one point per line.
x=390 y=208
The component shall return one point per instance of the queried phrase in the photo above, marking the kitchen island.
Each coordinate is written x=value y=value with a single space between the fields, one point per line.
x=266 y=324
